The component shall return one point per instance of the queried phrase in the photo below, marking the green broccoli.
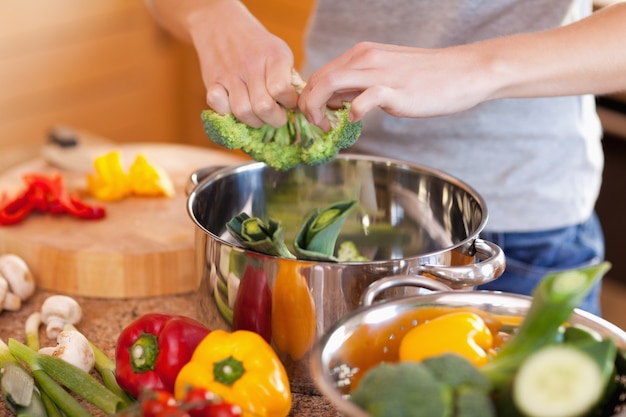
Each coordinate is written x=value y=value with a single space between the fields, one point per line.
x=296 y=142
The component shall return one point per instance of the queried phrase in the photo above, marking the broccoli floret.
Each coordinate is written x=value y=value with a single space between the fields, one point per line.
x=225 y=130
x=296 y=142
x=344 y=133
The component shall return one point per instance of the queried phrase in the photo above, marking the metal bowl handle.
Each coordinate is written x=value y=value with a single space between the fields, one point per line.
x=198 y=175
x=383 y=284
x=468 y=276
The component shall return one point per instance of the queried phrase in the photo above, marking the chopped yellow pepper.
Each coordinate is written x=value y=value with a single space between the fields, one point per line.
x=111 y=183
x=463 y=333
x=149 y=180
x=243 y=369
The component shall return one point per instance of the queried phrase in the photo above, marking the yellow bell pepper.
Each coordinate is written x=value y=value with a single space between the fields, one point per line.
x=149 y=180
x=293 y=311
x=110 y=183
x=243 y=369
x=464 y=333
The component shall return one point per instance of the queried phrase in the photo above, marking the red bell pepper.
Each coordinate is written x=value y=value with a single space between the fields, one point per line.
x=253 y=304
x=151 y=351
x=45 y=194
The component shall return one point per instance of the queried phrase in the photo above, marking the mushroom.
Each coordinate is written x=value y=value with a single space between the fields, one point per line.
x=18 y=275
x=8 y=300
x=73 y=348
x=56 y=311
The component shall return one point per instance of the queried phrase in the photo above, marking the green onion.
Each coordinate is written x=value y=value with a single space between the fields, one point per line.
x=73 y=378
x=70 y=406
x=106 y=368
x=18 y=386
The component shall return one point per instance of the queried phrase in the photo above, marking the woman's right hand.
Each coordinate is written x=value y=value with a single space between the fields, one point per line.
x=246 y=69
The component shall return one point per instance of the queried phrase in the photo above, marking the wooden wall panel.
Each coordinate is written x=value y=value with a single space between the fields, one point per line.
x=105 y=66
x=102 y=66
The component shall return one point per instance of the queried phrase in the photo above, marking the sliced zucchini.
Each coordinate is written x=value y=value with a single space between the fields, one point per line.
x=562 y=380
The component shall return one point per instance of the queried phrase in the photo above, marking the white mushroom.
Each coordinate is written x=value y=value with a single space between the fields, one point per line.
x=73 y=348
x=56 y=311
x=8 y=300
x=18 y=275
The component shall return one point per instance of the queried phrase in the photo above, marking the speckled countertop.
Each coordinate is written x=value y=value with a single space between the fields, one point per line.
x=104 y=319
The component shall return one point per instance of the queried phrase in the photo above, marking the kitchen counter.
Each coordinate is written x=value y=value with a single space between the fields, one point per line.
x=104 y=319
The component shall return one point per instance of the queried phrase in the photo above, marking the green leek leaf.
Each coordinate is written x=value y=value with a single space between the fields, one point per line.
x=317 y=238
x=554 y=300
x=255 y=234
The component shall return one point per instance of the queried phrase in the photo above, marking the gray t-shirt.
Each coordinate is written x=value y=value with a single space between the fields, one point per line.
x=537 y=162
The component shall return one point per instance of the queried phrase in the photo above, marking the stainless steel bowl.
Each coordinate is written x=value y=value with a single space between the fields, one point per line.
x=370 y=334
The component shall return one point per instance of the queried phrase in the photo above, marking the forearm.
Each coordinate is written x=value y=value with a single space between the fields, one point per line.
x=586 y=57
x=184 y=17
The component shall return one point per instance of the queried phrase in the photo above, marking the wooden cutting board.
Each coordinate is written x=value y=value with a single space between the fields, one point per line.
x=143 y=247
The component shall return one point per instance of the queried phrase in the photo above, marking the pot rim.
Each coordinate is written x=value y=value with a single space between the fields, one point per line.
x=201 y=181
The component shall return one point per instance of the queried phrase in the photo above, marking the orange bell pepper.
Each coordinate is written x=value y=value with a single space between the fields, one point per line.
x=293 y=311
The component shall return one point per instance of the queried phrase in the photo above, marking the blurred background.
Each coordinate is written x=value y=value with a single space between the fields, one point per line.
x=105 y=67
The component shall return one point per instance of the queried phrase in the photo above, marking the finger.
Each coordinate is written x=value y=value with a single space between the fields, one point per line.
x=368 y=100
x=264 y=104
x=241 y=104
x=217 y=98
x=279 y=85
x=326 y=90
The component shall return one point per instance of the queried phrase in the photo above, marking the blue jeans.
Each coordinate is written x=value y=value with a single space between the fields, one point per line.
x=530 y=256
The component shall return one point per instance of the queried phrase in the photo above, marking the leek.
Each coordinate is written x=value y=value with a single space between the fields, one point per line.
x=317 y=238
x=554 y=300
x=255 y=234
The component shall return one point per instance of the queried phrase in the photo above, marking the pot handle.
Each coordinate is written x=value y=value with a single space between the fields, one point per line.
x=383 y=284
x=198 y=175
x=467 y=276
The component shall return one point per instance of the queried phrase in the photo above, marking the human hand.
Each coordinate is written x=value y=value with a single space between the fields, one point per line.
x=246 y=69
x=402 y=81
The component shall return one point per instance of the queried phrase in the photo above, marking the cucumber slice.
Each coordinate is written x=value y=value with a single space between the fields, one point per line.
x=558 y=381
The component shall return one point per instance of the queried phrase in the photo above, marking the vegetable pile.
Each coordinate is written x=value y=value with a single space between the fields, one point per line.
x=457 y=365
x=165 y=366
x=315 y=240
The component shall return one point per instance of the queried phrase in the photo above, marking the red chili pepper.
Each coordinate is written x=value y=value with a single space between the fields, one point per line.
x=151 y=351
x=253 y=304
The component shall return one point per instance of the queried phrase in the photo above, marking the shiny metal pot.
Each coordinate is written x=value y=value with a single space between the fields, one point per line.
x=369 y=335
x=410 y=220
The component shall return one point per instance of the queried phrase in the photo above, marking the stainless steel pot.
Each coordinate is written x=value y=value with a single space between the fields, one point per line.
x=410 y=220
x=370 y=334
